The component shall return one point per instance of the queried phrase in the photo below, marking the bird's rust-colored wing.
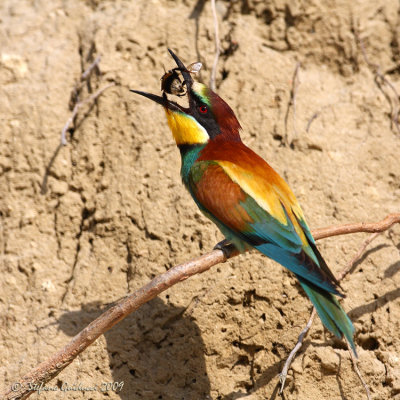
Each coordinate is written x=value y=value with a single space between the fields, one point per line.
x=250 y=201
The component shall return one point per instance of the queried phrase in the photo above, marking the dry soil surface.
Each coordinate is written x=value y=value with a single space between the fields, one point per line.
x=113 y=213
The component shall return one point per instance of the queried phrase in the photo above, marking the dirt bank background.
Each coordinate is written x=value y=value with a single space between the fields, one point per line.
x=115 y=213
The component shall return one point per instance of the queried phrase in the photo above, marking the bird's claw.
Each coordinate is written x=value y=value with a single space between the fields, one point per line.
x=227 y=247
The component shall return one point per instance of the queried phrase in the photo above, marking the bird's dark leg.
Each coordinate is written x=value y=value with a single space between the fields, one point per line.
x=227 y=248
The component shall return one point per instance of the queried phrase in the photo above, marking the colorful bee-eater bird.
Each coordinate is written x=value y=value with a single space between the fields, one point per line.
x=247 y=200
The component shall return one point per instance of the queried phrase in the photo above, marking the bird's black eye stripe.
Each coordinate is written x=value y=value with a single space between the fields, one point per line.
x=203 y=113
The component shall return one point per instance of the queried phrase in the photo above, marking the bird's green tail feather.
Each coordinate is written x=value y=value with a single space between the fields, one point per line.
x=330 y=311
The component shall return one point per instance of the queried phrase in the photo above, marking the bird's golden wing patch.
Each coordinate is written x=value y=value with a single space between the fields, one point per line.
x=273 y=195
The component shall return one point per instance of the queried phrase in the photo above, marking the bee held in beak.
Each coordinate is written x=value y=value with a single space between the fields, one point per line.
x=171 y=82
x=176 y=81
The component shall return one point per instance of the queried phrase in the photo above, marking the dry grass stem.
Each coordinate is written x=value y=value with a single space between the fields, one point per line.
x=379 y=79
x=79 y=105
x=292 y=103
x=288 y=362
x=217 y=46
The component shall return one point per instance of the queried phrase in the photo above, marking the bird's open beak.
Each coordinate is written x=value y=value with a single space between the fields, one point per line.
x=163 y=100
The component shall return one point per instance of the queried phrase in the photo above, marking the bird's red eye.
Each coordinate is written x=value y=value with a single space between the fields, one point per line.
x=203 y=109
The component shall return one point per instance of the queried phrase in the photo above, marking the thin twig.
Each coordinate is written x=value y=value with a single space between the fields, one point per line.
x=89 y=69
x=48 y=369
x=292 y=102
x=395 y=109
x=68 y=123
x=318 y=113
x=85 y=77
x=310 y=121
x=296 y=83
x=357 y=370
x=217 y=46
x=89 y=99
x=63 y=142
x=288 y=362
x=315 y=116
x=358 y=255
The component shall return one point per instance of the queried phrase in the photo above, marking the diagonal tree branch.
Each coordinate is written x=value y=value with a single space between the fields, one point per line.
x=50 y=368
x=372 y=227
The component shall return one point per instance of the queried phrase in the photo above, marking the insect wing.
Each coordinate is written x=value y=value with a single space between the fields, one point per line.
x=195 y=67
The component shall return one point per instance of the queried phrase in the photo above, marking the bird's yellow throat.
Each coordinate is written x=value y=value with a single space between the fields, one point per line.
x=185 y=129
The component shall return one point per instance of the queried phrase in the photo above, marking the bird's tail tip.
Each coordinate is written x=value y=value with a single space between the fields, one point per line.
x=331 y=313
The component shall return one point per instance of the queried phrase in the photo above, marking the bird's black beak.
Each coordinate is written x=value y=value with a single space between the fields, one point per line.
x=163 y=100
x=187 y=78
